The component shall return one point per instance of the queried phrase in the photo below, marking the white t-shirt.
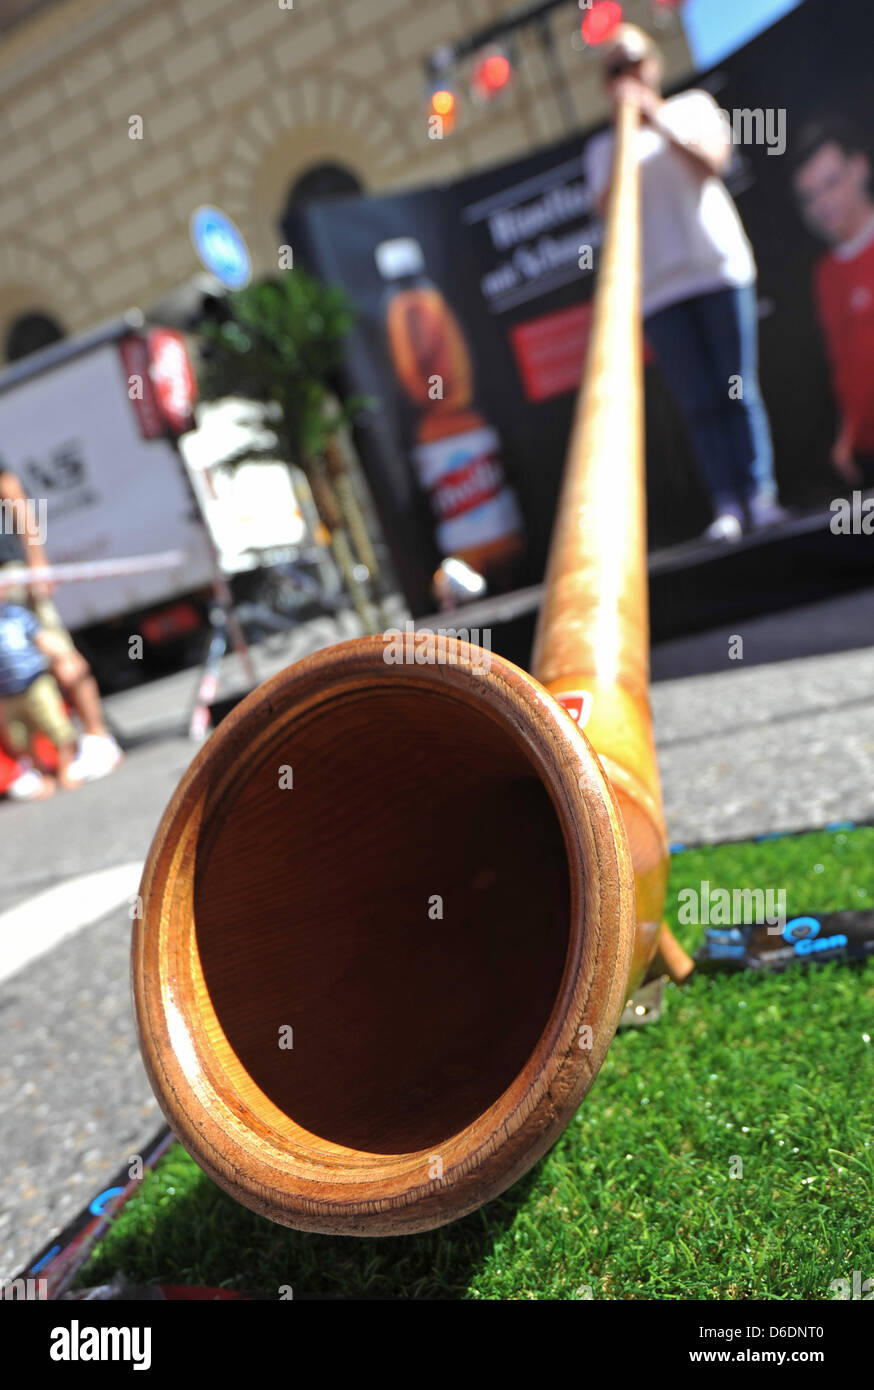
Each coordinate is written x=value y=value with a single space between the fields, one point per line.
x=693 y=240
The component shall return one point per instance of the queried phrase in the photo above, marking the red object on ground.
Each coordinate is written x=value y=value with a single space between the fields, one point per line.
x=199 y=1293
x=10 y=770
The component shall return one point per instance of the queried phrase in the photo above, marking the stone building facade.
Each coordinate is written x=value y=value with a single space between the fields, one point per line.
x=238 y=102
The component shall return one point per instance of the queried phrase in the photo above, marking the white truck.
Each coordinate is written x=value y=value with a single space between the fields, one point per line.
x=89 y=425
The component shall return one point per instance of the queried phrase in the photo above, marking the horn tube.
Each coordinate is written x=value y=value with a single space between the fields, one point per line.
x=592 y=633
x=393 y=910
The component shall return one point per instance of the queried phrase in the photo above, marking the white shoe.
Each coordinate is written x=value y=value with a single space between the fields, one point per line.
x=29 y=785
x=725 y=528
x=97 y=757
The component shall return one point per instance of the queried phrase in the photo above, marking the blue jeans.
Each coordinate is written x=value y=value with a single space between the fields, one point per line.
x=701 y=344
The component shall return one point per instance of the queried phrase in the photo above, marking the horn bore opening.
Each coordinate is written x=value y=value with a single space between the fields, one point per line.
x=403 y=908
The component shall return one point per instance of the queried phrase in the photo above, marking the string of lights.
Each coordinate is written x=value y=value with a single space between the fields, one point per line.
x=493 y=51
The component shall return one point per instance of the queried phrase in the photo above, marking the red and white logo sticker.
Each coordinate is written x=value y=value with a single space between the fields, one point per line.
x=141 y=392
x=578 y=704
x=173 y=378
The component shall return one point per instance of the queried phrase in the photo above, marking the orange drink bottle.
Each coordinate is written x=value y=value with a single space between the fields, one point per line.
x=458 y=453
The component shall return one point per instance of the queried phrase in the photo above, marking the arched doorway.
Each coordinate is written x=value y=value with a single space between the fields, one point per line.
x=325 y=180
x=30 y=332
x=319 y=182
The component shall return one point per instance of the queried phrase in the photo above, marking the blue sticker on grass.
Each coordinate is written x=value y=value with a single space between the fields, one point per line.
x=49 y=1255
x=102 y=1200
x=800 y=929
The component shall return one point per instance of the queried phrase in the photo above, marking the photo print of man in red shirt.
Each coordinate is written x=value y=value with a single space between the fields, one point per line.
x=832 y=182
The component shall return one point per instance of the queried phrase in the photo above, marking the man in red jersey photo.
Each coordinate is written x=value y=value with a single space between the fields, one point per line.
x=832 y=182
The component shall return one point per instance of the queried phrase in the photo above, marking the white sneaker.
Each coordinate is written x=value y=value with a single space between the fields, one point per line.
x=97 y=757
x=29 y=785
x=725 y=528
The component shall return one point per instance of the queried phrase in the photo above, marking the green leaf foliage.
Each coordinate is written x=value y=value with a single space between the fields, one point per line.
x=281 y=346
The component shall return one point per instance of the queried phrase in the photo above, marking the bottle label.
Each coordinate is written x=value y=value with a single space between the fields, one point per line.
x=463 y=477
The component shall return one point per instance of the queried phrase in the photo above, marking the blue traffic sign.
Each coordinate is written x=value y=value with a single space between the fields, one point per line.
x=221 y=247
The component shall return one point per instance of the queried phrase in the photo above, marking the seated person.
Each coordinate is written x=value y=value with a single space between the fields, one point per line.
x=21 y=544
x=30 y=701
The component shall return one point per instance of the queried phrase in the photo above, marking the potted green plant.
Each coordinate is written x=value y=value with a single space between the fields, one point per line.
x=279 y=343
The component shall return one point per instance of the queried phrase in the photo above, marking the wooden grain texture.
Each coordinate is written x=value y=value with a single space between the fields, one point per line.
x=433 y=1060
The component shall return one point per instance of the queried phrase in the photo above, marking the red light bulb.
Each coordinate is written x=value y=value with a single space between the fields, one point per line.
x=493 y=72
x=601 y=20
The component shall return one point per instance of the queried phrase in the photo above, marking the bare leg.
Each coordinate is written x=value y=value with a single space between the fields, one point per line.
x=73 y=674
x=66 y=755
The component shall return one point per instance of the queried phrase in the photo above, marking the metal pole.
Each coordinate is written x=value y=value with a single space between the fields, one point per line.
x=563 y=96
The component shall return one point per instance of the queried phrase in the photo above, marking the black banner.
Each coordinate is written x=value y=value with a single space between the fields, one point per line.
x=506 y=248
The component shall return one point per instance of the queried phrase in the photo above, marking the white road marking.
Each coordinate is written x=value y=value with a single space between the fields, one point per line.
x=39 y=924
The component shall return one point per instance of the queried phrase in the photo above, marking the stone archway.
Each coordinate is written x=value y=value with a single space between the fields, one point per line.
x=37 y=281
x=325 y=117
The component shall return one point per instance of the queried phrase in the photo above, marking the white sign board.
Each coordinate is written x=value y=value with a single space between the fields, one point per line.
x=252 y=507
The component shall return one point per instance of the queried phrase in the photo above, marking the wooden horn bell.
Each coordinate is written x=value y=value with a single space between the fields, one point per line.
x=393 y=911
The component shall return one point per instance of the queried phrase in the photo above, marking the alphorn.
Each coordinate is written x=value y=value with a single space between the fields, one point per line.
x=396 y=905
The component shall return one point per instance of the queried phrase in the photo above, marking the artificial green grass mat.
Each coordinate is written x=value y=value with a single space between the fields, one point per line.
x=636 y=1200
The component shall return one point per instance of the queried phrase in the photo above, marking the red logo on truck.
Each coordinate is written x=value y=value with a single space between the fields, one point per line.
x=173 y=378
x=140 y=391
